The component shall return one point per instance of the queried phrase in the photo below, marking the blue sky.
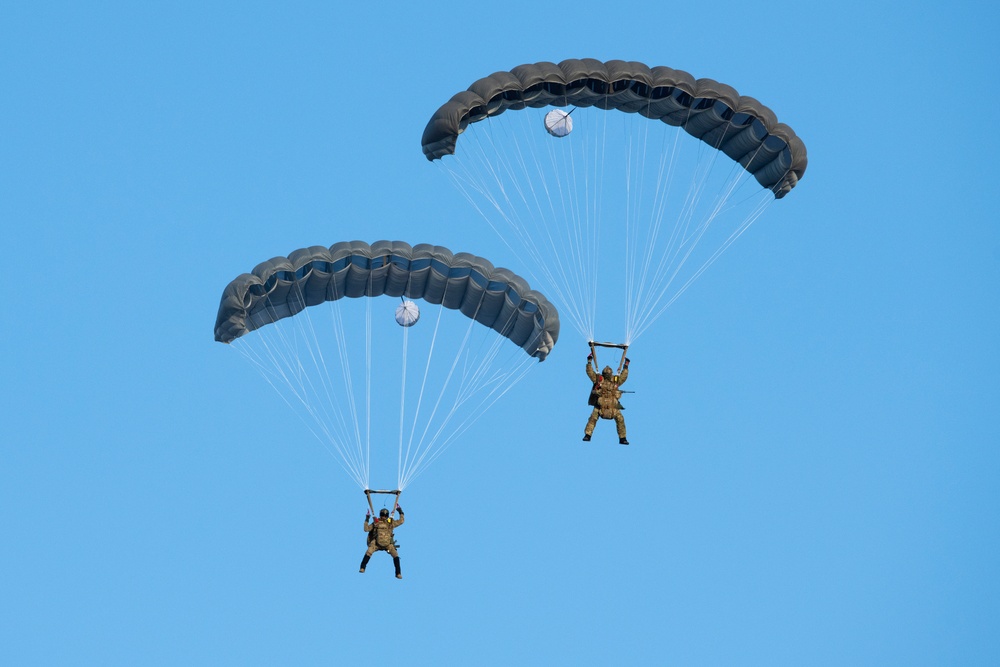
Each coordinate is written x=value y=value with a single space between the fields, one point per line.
x=812 y=474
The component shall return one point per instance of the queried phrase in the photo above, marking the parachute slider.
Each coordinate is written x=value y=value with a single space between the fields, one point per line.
x=558 y=123
x=407 y=313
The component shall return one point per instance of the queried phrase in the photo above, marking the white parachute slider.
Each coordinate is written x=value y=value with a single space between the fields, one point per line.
x=558 y=123
x=407 y=314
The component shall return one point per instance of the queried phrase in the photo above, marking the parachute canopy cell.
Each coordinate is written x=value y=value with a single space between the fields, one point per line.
x=284 y=286
x=739 y=126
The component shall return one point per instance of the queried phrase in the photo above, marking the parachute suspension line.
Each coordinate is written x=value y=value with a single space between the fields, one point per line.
x=308 y=332
x=648 y=291
x=563 y=196
x=543 y=241
x=582 y=160
x=404 y=467
x=471 y=383
x=597 y=204
x=631 y=242
x=275 y=367
x=638 y=263
x=493 y=170
x=639 y=251
x=402 y=406
x=329 y=401
x=575 y=222
x=553 y=258
x=743 y=226
x=270 y=373
x=339 y=333
x=468 y=182
x=277 y=358
x=347 y=390
x=423 y=445
x=565 y=221
x=651 y=271
x=684 y=242
x=369 y=331
x=569 y=230
x=501 y=384
x=319 y=410
x=497 y=383
x=434 y=445
x=682 y=237
x=589 y=237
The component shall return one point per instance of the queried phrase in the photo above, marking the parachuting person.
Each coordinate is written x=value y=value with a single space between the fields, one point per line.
x=380 y=537
x=605 y=396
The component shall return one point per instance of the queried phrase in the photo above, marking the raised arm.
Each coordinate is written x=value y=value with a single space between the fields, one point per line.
x=623 y=375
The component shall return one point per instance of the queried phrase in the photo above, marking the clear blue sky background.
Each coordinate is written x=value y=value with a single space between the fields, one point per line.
x=812 y=479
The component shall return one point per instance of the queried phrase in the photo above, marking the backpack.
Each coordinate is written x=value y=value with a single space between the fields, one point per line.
x=381 y=534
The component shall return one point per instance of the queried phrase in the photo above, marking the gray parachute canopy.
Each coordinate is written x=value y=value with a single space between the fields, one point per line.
x=284 y=286
x=739 y=126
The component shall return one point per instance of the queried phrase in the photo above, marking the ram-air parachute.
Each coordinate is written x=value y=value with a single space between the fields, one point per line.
x=583 y=194
x=339 y=334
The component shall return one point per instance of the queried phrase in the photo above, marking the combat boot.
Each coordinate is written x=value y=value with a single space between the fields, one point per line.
x=622 y=441
x=364 y=562
x=395 y=561
x=586 y=437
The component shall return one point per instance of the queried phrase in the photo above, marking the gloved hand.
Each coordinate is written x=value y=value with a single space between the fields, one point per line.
x=627 y=360
x=368 y=515
x=590 y=357
x=400 y=510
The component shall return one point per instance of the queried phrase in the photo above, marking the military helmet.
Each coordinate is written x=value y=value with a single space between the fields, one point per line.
x=607 y=372
x=383 y=513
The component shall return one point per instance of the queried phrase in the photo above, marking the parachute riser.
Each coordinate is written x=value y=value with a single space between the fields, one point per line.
x=368 y=495
x=621 y=346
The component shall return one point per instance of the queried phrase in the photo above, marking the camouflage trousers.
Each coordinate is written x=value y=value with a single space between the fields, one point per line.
x=372 y=548
x=592 y=422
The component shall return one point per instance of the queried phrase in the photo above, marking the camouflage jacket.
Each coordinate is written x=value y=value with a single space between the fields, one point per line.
x=605 y=393
x=381 y=530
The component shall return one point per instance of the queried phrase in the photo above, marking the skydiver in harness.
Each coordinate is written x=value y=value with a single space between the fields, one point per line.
x=380 y=537
x=605 y=395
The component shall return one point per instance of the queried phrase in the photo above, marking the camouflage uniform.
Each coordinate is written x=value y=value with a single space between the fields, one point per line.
x=605 y=397
x=380 y=538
